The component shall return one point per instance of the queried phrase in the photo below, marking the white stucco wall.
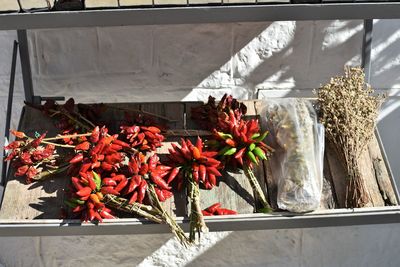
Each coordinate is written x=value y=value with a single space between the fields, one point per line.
x=189 y=62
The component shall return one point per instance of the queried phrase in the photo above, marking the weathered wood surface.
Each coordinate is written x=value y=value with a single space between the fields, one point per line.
x=38 y=200
x=44 y=199
x=101 y=3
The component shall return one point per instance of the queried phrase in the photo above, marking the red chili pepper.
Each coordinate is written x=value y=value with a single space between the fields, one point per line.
x=202 y=173
x=199 y=144
x=211 y=209
x=173 y=174
x=144 y=169
x=167 y=193
x=109 y=181
x=76 y=159
x=118 y=178
x=75 y=181
x=95 y=198
x=133 y=184
x=109 y=190
x=159 y=181
x=211 y=162
x=115 y=147
x=83 y=146
x=153 y=129
x=160 y=194
x=84 y=192
x=230 y=142
x=195 y=169
x=121 y=185
x=94 y=138
x=142 y=191
x=153 y=162
x=105 y=166
x=212 y=179
x=214 y=171
x=133 y=197
x=206 y=213
x=106 y=215
x=221 y=211
x=121 y=143
x=196 y=153
x=79 y=208
x=91 y=182
x=85 y=167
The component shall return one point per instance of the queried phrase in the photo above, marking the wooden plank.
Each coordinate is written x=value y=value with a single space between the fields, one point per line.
x=239 y=1
x=170 y=2
x=328 y=198
x=381 y=174
x=371 y=184
x=38 y=200
x=189 y=123
x=101 y=3
x=7 y=5
x=35 y=4
x=204 y=2
x=172 y=111
x=338 y=172
x=125 y=3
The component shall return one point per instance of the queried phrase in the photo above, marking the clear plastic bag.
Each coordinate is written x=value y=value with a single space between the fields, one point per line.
x=299 y=143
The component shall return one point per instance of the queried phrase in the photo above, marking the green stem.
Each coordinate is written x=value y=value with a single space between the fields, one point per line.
x=257 y=189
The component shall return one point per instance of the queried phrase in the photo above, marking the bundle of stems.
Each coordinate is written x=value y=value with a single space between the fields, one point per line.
x=349 y=109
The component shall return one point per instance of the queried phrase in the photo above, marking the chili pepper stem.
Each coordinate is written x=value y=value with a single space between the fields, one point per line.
x=59 y=145
x=136 y=208
x=197 y=223
x=66 y=136
x=257 y=188
x=175 y=228
x=45 y=174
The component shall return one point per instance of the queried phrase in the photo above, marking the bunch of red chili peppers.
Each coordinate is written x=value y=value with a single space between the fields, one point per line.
x=238 y=142
x=122 y=171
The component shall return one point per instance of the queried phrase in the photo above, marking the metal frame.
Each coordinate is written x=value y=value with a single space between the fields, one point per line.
x=199 y=14
x=243 y=222
x=204 y=14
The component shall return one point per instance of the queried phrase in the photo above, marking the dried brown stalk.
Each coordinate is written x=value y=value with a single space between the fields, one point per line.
x=348 y=110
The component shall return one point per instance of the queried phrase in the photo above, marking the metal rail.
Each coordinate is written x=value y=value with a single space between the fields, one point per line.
x=199 y=14
x=245 y=222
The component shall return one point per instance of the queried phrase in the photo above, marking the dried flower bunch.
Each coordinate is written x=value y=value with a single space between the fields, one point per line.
x=349 y=109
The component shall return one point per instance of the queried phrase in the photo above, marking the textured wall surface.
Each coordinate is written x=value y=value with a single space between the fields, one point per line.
x=189 y=62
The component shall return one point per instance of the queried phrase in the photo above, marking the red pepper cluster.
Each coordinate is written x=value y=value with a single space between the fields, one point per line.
x=28 y=156
x=238 y=141
x=211 y=115
x=216 y=209
x=126 y=172
x=192 y=161
x=86 y=196
x=142 y=137
x=242 y=143
x=144 y=170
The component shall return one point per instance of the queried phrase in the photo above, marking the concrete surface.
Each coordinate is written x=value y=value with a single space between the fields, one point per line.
x=189 y=62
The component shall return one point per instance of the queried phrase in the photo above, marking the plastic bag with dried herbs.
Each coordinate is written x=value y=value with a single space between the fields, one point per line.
x=297 y=163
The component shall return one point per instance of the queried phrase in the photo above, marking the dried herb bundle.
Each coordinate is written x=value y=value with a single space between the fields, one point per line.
x=348 y=110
